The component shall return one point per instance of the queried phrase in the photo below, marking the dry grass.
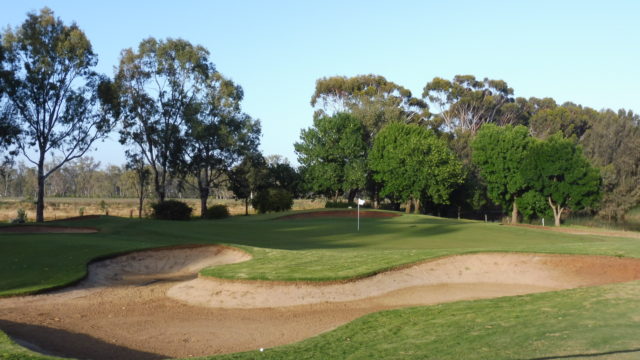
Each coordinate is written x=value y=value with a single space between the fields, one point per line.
x=60 y=208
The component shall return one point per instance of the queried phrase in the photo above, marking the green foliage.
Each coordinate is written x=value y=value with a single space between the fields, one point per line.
x=611 y=143
x=372 y=99
x=410 y=161
x=333 y=154
x=282 y=175
x=466 y=103
x=171 y=210
x=533 y=205
x=272 y=200
x=499 y=152
x=218 y=211
x=21 y=217
x=557 y=169
x=570 y=119
x=81 y=211
x=153 y=116
x=53 y=92
x=339 y=205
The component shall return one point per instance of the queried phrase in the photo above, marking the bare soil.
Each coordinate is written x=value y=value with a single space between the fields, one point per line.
x=340 y=213
x=152 y=305
x=43 y=229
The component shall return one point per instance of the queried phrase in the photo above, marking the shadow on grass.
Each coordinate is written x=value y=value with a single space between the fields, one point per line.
x=592 y=355
x=57 y=342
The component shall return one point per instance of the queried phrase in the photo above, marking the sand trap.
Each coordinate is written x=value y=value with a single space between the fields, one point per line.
x=529 y=273
x=43 y=229
x=122 y=309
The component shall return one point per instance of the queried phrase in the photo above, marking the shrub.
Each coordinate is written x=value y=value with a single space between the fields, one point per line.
x=272 y=199
x=339 y=205
x=171 y=210
x=21 y=217
x=218 y=211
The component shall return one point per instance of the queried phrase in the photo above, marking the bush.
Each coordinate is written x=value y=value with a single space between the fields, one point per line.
x=339 y=205
x=171 y=210
x=21 y=217
x=218 y=211
x=272 y=199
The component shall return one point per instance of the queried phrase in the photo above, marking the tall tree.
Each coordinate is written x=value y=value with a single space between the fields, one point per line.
x=157 y=84
x=333 y=153
x=570 y=119
x=372 y=99
x=467 y=103
x=557 y=169
x=218 y=135
x=282 y=175
x=411 y=162
x=499 y=152
x=59 y=101
x=611 y=143
x=248 y=177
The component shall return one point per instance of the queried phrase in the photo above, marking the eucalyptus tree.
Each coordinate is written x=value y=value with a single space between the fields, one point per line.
x=467 y=103
x=218 y=135
x=158 y=83
x=60 y=103
x=372 y=99
x=411 y=162
x=499 y=152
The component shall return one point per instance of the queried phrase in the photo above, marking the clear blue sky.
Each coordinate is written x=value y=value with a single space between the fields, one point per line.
x=581 y=51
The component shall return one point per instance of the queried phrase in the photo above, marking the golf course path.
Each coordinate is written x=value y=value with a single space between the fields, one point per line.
x=152 y=305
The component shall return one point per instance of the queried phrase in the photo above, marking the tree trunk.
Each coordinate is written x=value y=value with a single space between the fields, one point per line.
x=335 y=197
x=160 y=192
x=408 y=208
x=246 y=207
x=514 y=212
x=557 y=211
x=352 y=195
x=417 y=209
x=40 y=200
x=204 y=195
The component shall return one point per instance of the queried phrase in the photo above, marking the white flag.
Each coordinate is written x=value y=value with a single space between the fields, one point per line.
x=360 y=201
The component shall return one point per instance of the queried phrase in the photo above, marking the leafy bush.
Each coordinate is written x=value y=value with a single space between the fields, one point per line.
x=171 y=210
x=272 y=199
x=339 y=205
x=218 y=211
x=21 y=217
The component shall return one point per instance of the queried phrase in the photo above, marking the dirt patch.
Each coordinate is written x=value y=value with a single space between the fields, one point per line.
x=625 y=234
x=43 y=229
x=340 y=213
x=150 y=305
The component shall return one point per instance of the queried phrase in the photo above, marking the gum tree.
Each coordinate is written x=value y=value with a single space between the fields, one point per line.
x=60 y=103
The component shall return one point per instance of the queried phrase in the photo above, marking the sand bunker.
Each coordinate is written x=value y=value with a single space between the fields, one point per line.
x=150 y=305
x=340 y=213
x=42 y=229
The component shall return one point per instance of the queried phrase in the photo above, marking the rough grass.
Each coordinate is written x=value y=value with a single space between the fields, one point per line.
x=61 y=208
x=544 y=326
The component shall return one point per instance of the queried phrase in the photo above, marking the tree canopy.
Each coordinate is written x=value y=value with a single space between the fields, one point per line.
x=557 y=169
x=412 y=162
x=60 y=103
x=499 y=152
x=333 y=154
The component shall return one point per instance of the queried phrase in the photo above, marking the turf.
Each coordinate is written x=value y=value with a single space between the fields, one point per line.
x=331 y=249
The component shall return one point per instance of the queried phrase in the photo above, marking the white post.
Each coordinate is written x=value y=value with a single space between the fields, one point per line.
x=358 y=214
x=542 y=221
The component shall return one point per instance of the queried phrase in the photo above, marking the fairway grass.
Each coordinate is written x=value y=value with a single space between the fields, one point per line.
x=580 y=321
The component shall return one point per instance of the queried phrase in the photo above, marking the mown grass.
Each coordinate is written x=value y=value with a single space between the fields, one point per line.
x=598 y=319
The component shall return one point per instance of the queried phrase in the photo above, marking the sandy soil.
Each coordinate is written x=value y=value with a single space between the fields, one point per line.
x=43 y=229
x=151 y=305
x=339 y=213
